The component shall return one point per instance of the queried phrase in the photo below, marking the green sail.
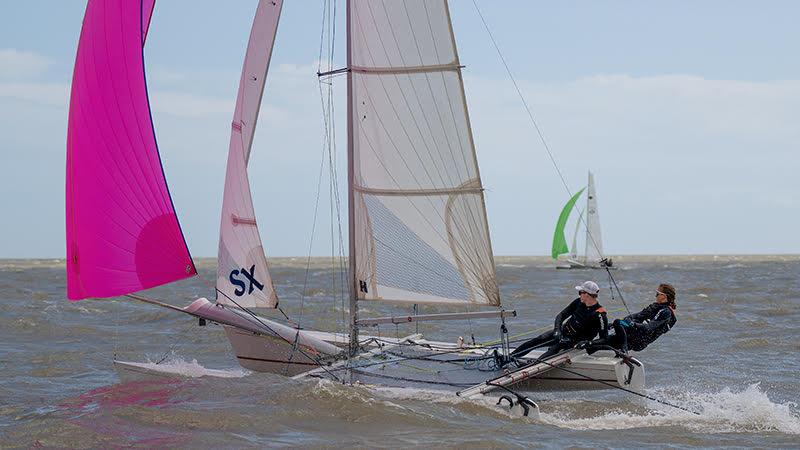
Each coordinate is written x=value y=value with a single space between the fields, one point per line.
x=559 y=241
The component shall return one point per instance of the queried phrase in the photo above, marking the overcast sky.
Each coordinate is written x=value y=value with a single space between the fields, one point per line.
x=687 y=112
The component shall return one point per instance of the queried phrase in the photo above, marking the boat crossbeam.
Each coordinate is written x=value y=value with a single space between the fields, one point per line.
x=375 y=321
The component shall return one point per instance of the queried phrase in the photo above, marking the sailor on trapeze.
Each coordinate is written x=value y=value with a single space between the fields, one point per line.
x=580 y=321
x=639 y=330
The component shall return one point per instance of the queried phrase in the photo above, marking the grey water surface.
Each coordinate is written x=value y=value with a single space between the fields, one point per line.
x=733 y=357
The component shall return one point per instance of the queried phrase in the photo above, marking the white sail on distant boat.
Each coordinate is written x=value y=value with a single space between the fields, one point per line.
x=418 y=231
x=593 y=256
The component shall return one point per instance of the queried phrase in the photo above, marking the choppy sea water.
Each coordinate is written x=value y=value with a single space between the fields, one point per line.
x=733 y=356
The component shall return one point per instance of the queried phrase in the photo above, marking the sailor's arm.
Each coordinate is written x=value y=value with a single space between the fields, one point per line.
x=566 y=312
x=641 y=316
x=660 y=319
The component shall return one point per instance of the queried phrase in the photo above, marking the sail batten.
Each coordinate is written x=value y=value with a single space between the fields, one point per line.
x=410 y=69
x=122 y=231
x=243 y=277
x=420 y=229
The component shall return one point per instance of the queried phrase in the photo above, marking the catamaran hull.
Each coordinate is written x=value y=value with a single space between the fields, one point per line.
x=263 y=345
x=266 y=353
x=261 y=353
x=573 y=264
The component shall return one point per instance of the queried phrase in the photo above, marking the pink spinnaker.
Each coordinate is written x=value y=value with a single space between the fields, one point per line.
x=122 y=231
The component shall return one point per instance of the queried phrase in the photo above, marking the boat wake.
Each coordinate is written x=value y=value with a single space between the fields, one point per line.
x=726 y=411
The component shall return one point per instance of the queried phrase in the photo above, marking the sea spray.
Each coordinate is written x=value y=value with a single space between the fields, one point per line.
x=725 y=411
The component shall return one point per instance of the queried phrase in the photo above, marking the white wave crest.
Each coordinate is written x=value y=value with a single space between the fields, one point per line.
x=725 y=411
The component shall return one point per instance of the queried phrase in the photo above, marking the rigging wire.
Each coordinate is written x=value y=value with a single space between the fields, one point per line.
x=630 y=391
x=465 y=360
x=261 y=322
x=535 y=124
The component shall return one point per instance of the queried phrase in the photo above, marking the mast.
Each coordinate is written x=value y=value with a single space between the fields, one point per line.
x=351 y=226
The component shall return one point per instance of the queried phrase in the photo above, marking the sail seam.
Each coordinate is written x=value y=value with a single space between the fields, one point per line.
x=441 y=122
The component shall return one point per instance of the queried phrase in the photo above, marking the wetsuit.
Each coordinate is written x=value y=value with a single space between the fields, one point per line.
x=641 y=329
x=577 y=322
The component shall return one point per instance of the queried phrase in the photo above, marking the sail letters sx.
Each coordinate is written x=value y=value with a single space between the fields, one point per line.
x=249 y=277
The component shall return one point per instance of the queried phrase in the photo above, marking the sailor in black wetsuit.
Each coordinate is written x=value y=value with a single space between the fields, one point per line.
x=639 y=330
x=580 y=320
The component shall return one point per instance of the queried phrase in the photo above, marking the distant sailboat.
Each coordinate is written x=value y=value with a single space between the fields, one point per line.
x=418 y=231
x=593 y=254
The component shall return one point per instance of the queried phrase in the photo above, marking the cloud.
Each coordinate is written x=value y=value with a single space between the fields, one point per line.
x=49 y=94
x=679 y=116
x=189 y=105
x=19 y=64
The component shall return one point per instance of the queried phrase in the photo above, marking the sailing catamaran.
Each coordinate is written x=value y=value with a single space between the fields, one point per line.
x=418 y=231
x=593 y=256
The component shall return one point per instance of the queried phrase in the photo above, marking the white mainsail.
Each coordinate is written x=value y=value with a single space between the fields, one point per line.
x=243 y=278
x=594 y=237
x=574 y=249
x=420 y=228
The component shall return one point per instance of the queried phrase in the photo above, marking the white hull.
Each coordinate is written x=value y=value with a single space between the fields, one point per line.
x=136 y=371
x=575 y=264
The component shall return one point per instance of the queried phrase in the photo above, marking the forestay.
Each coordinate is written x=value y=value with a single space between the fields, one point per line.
x=594 y=238
x=122 y=231
x=243 y=278
x=421 y=233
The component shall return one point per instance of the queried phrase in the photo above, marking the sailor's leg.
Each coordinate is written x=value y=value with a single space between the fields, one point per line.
x=538 y=341
x=558 y=347
x=620 y=337
x=618 y=340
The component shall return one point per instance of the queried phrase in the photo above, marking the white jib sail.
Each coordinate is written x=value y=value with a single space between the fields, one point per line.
x=243 y=278
x=594 y=237
x=421 y=233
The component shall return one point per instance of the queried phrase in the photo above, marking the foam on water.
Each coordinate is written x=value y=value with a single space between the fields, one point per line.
x=726 y=411
x=487 y=403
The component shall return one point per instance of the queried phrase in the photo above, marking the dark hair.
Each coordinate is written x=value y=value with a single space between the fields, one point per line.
x=669 y=291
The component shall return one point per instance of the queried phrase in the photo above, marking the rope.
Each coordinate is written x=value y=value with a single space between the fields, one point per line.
x=649 y=397
x=614 y=282
x=530 y=116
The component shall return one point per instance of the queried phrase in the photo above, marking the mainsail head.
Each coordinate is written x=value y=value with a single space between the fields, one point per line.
x=243 y=278
x=421 y=233
x=122 y=233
